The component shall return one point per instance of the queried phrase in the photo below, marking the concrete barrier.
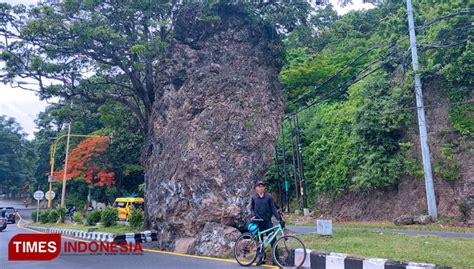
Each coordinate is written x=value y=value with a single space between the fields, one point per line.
x=322 y=260
x=142 y=237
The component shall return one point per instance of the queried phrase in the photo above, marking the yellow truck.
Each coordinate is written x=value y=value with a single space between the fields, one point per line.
x=125 y=205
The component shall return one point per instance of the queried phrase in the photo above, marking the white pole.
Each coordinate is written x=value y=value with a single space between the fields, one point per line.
x=63 y=190
x=425 y=151
x=37 y=210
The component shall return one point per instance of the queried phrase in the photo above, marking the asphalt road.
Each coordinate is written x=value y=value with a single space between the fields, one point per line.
x=149 y=258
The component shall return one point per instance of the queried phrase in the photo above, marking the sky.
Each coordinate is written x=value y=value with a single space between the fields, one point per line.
x=24 y=106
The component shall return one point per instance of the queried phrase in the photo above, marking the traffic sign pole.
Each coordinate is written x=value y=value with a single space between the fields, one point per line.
x=37 y=210
x=38 y=195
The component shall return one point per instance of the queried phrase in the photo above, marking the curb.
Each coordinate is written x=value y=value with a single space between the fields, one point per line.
x=321 y=260
x=142 y=237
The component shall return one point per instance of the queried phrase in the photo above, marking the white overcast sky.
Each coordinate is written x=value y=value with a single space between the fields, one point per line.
x=24 y=106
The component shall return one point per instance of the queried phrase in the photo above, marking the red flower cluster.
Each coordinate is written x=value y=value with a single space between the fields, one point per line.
x=88 y=162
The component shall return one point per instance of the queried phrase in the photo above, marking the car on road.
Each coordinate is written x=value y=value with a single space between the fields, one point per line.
x=3 y=220
x=10 y=214
x=125 y=205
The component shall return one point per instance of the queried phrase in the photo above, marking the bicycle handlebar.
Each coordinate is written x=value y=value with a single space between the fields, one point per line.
x=256 y=219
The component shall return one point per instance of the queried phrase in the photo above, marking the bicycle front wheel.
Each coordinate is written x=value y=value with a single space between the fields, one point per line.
x=284 y=251
x=245 y=249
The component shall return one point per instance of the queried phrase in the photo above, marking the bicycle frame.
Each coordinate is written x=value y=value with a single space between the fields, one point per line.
x=277 y=229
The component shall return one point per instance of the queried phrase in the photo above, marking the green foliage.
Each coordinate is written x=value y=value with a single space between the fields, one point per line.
x=462 y=114
x=354 y=144
x=109 y=217
x=464 y=208
x=411 y=164
x=448 y=168
x=77 y=193
x=62 y=214
x=361 y=135
x=77 y=217
x=44 y=216
x=141 y=189
x=17 y=157
x=34 y=214
x=53 y=216
x=451 y=58
x=136 y=219
x=93 y=217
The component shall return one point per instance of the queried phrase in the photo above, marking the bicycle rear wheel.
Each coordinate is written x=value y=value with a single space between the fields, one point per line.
x=284 y=251
x=245 y=249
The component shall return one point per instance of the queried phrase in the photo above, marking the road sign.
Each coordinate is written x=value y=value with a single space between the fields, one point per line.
x=51 y=179
x=38 y=195
x=52 y=195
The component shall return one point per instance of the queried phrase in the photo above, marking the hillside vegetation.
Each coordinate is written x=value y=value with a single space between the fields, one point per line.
x=352 y=83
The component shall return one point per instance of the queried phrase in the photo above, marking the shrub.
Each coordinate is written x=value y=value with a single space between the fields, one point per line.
x=62 y=214
x=93 y=217
x=34 y=214
x=136 y=219
x=44 y=216
x=77 y=217
x=53 y=216
x=109 y=217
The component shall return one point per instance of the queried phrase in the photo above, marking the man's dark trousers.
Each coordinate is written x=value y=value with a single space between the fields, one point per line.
x=265 y=225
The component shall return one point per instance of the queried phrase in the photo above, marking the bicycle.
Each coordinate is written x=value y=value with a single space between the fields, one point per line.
x=248 y=246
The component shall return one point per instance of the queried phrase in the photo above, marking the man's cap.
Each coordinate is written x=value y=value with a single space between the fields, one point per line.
x=259 y=182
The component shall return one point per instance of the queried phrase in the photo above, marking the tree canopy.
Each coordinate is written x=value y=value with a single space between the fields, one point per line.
x=17 y=158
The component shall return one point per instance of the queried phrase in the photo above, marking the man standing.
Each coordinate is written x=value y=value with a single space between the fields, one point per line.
x=263 y=207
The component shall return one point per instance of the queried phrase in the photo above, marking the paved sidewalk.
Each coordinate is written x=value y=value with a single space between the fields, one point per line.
x=312 y=229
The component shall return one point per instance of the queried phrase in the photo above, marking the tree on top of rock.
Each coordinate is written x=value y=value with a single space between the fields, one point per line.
x=88 y=161
x=107 y=51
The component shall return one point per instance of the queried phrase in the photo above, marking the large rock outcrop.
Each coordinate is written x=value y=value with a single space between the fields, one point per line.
x=213 y=127
x=215 y=239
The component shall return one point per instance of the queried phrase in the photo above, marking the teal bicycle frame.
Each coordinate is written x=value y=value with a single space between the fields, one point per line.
x=276 y=230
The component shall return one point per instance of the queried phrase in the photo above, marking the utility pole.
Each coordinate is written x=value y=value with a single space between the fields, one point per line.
x=295 y=164
x=425 y=151
x=300 y=164
x=63 y=190
x=277 y=165
x=285 y=168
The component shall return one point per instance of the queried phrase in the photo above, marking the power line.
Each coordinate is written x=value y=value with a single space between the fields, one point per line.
x=396 y=109
x=388 y=46
x=342 y=86
x=353 y=61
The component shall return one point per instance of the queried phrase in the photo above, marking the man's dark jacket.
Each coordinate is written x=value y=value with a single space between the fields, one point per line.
x=264 y=207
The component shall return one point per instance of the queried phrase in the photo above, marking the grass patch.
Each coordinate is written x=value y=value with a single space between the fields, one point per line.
x=63 y=226
x=429 y=249
x=389 y=225
x=118 y=229
x=442 y=225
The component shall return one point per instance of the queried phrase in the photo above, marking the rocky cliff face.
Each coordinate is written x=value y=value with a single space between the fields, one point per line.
x=213 y=128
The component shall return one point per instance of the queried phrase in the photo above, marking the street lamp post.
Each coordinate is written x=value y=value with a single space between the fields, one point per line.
x=63 y=191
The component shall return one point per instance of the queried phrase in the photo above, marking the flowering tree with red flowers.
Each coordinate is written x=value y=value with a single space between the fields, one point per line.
x=88 y=162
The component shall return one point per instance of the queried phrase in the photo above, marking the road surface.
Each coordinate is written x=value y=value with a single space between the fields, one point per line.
x=149 y=259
